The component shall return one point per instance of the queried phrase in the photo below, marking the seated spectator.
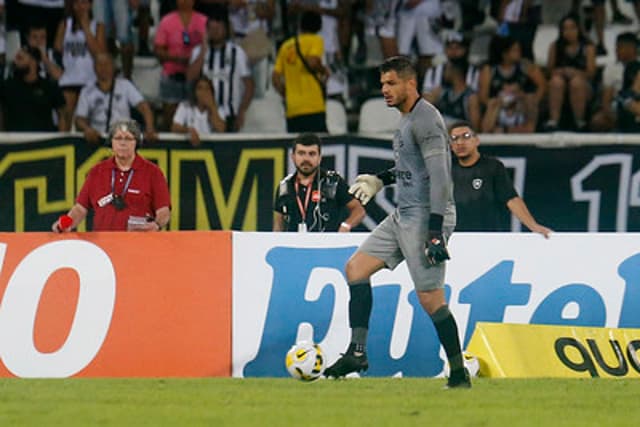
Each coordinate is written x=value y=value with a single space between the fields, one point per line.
x=226 y=65
x=506 y=66
x=509 y=112
x=200 y=114
x=572 y=66
x=28 y=100
x=37 y=38
x=107 y=100
x=604 y=119
x=458 y=101
x=456 y=48
x=78 y=40
x=628 y=100
x=520 y=19
x=178 y=33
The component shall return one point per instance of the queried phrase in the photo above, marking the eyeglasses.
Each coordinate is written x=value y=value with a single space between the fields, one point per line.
x=186 y=40
x=456 y=139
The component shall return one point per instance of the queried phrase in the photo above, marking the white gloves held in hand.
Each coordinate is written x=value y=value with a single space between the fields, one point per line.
x=366 y=187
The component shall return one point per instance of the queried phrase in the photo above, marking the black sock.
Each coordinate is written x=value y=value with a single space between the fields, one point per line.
x=448 y=333
x=360 y=305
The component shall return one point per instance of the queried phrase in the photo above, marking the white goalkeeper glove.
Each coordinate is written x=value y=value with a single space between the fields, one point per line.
x=366 y=187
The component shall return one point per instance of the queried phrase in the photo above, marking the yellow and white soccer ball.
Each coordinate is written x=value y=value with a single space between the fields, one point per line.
x=305 y=361
x=471 y=362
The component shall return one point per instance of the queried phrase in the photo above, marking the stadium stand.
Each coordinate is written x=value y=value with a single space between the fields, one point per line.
x=265 y=115
x=376 y=116
x=336 y=117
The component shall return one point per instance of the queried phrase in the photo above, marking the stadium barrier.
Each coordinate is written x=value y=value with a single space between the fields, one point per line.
x=232 y=303
x=535 y=351
x=571 y=182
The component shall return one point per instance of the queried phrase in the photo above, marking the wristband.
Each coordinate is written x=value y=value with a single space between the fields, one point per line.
x=346 y=225
x=435 y=222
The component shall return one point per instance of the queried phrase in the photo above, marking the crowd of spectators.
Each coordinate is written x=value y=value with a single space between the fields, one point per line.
x=76 y=62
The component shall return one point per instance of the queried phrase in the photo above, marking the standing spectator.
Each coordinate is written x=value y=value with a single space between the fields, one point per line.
x=483 y=191
x=628 y=100
x=457 y=100
x=117 y=15
x=225 y=63
x=177 y=34
x=37 y=38
x=313 y=198
x=78 y=40
x=28 y=100
x=332 y=12
x=299 y=76
x=604 y=119
x=419 y=20
x=251 y=22
x=21 y=13
x=456 y=48
x=125 y=192
x=520 y=20
x=199 y=115
x=107 y=100
x=380 y=20
x=572 y=66
x=506 y=66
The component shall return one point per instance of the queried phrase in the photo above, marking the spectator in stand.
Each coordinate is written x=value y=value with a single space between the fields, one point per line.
x=125 y=192
x=21 y=13
x=520 y=20
x=506 y=66
x=178 y=33
x=332 y=12
x=419 y=21
x=37 y=38
x=628 y=100
x=117 y=15
x=598 y=15
x=143 y=20
x=572 y=66
x=199 y=115
x=251 y=22
x=604 y=119
x=107 y=100
x=225 y=63
x=380 y=20
x=509 y=112
x=78 y=40
x=28 y=101
x=458 y=101
x=299 y=76
x=456 y=48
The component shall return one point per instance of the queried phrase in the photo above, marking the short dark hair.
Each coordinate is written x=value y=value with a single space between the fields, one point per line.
x=310 y=22
x=460 y=124
x=402 y=65
x=307 y=139
x=627 y=37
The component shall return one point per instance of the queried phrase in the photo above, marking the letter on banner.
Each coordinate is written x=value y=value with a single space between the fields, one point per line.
x=91 y=321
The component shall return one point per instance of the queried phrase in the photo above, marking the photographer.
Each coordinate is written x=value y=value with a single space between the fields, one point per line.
x=314 y=199
x=125 y=192
x=510 y=112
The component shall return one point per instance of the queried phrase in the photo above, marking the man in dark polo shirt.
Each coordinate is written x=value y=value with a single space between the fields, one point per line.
x=125 y=192
x=28 y=101
x=482 y=189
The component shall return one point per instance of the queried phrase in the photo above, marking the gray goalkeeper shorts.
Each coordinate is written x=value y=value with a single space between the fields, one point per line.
x=403 y=236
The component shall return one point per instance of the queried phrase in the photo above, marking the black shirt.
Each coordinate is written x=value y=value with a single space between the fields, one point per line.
x=481 y=193
x=28 y=107
x=325 y=209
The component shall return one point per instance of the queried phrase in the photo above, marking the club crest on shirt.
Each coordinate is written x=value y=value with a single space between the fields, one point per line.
x=476 y=183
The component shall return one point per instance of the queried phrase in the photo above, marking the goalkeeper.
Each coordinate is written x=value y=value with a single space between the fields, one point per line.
x=418 y=229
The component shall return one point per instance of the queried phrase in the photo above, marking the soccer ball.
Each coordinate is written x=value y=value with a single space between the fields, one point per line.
x=470 y=362
x=305 y=361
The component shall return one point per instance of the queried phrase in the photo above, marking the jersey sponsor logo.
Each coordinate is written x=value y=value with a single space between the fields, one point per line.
x=476 y=183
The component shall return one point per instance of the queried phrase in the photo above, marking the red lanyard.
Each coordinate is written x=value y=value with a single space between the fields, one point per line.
x=303 y=209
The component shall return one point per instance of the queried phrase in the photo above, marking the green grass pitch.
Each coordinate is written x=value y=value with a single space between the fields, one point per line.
x=362 y=402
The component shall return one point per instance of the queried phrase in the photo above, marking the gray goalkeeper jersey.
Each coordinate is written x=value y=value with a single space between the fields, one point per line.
x=423 y=162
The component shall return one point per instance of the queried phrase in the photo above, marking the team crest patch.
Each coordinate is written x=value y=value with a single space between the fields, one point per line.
x=476 y=183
